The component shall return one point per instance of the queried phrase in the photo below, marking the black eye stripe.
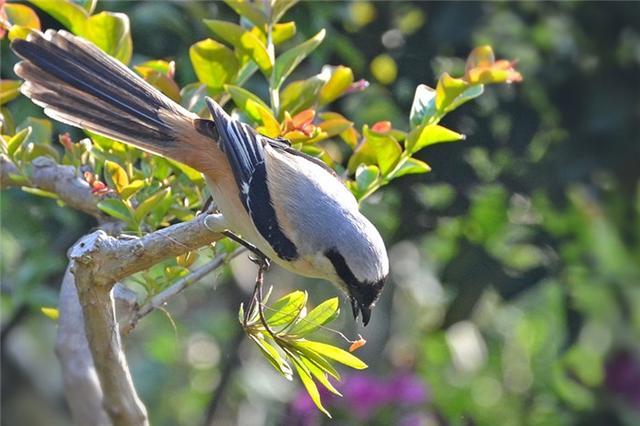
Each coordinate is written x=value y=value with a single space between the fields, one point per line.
x=341 y=267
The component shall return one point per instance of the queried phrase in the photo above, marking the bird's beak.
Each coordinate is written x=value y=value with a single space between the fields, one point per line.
x=358 y=306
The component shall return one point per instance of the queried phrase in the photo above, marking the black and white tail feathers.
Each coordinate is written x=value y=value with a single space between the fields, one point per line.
x=80 y=85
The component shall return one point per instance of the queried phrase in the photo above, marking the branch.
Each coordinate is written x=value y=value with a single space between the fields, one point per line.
x=81 y=385
x=50 y=176
x=163 y=297
x=99 y=261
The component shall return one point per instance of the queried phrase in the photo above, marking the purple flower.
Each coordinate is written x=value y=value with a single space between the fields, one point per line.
x=623 y=377
x=408 y=389
x=364 y=394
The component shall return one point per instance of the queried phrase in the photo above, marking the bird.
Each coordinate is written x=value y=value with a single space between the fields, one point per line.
x=291 y=206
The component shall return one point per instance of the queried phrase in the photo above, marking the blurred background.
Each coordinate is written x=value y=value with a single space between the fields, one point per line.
x=514 y=296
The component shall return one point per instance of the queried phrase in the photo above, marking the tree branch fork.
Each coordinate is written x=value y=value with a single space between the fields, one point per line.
x=98 y=383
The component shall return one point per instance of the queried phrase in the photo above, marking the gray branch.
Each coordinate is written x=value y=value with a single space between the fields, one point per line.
x=50 y=176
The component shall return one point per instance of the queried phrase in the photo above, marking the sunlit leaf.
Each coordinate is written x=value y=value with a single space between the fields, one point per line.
x=159 y=74
x=319 y=375
x=366 y=176
x=289 y=60
x=116 y=176
x=430 y=134
x=193 y=175
x=214 y=64
x=325 y=312
x=412 y=166
x=482 y=68
x=301 y=94
x=241 y=98
x=130 y=189
x=274 y=358
x=270 y=126
x=9 y=90
x=385 y=148
x=19 y=32
x=51 y=313
x=280 y=7
x=287 y=309
x=424 y=106
x=116 y=208
x=309 y=385
x=69 y=14
x=251 y=11
x=111 y=33
x=283 y=32
x=16 y=140
x=337 y=85
x=448 y=89
x=150 y=203
x=21 y=15
x=334 y=353
x=245 y=41
x=40 y=192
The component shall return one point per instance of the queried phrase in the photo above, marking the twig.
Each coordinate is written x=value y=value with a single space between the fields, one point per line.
x=164 y=296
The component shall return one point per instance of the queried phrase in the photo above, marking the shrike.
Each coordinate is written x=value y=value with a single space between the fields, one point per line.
x=291 y=206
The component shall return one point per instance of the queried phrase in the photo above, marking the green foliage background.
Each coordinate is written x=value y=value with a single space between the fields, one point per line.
x=515 y=290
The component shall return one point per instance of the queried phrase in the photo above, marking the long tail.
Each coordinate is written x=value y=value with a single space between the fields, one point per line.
x=80 y=85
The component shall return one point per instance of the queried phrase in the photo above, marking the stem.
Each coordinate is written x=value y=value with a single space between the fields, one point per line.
x=274 y=94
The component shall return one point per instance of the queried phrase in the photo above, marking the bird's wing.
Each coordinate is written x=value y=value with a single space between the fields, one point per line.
x=245 y=151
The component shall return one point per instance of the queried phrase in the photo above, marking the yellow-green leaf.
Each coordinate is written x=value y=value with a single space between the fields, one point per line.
x=24 y=16
x=214 y=63
x=300 y=95
x=366 y=176
x=110 y=32
x=16 y=140
x=51 y=313
x=116 y=208
x=309 y=385
x=9 y=90
x=241 y=98
x=147 y=205
x=283 y=32
x=412 y=166
x=249 y=10
x=116 y=176
x=340 y=80
x=426 y=135
x=334 y=353
x=66 y=12
x=287 y=308
x=245 y=41
x=325 y=312
x=289 y=60
x=319 y=375
x=19 y=32
x=131 y=189
x=448 y=89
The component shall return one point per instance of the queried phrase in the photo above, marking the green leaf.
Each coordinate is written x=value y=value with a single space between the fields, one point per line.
x=273 y=357
x=430 y=134
x=300 y=95
x=289 y=60
x=412 y=166
x=40 y=192
x=24 y=16
x=214 y=63
x=131 y=189
x=287 y=308
x=245 y=41
x=241 y=98
x=366 y=176
x=424 y=105
x=69 y=14
x=309 y=385
x=325 y=312
x=147 y=205
x=117 y=208
x=41 y=130
x=319 y=375
x=192 y=97
x=9 y=90
x=467 y=95
x=283 y=32
x=334 y=353
x=193 y=175
x=111 y=33
x=16 y=140
x=385 y=148
x=19 y=32
x=88 y=5
x=340 y=80
x=116 y=176
x=248 y=10
x=279 y=8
